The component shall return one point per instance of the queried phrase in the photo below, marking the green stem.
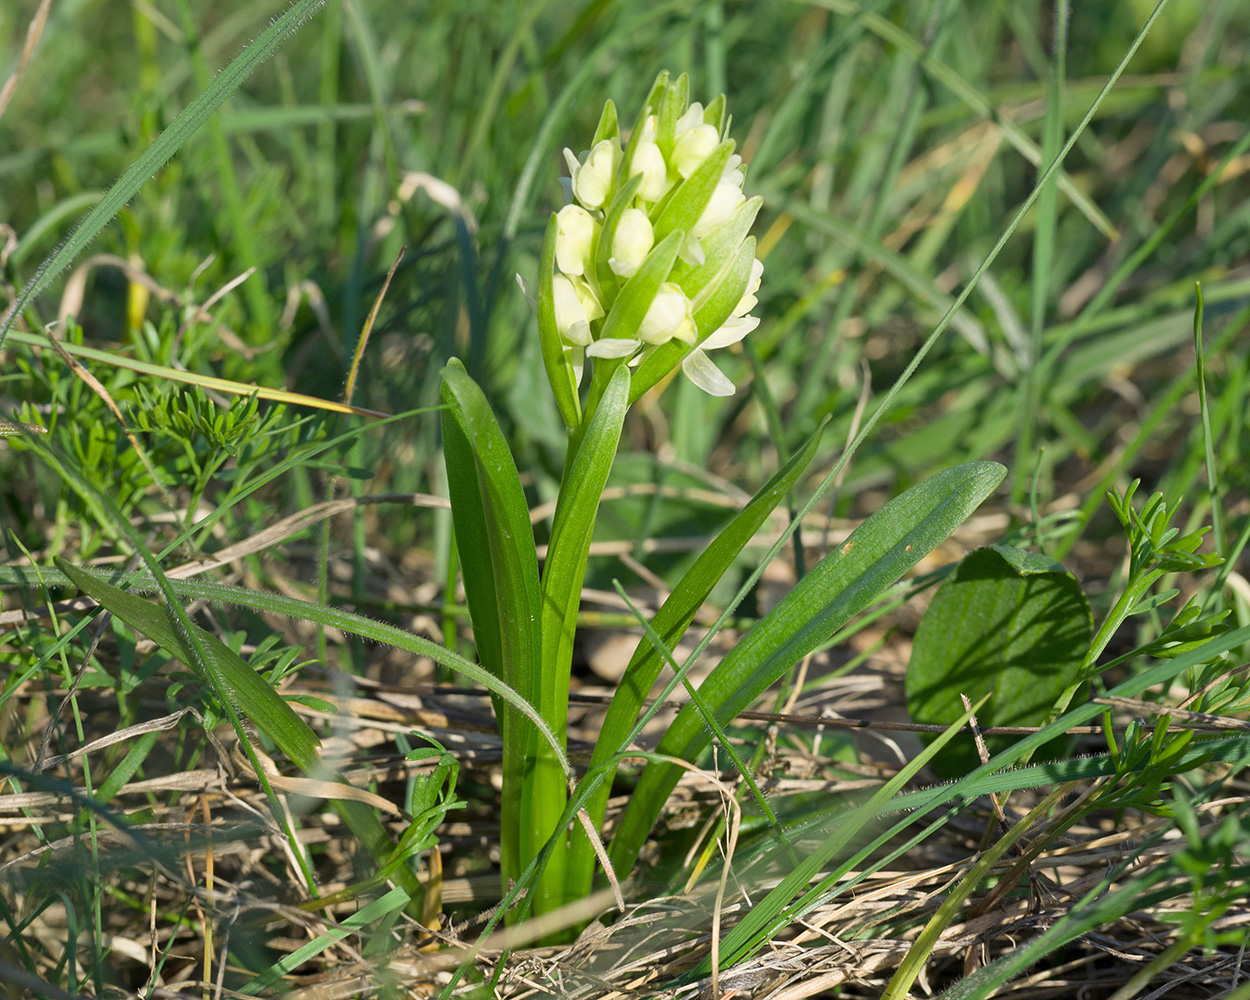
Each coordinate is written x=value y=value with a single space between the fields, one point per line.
x=591 y=452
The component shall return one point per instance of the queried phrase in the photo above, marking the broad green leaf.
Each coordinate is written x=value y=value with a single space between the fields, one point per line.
x=572 y=527
x=846 y=581
x=1011 y=624
x=671 y=622
x=500 y=568
x=156 y=155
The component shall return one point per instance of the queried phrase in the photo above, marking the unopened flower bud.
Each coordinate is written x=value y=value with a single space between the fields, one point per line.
x=649 y=161
x=632 y=242
x=725 y=200
x=693 y=147
x=692 y=117
x=575 y=236
x=592 y=179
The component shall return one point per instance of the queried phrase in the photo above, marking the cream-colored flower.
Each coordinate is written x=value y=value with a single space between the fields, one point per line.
x=748 y=300
x=698 y=367
x=575 y=236
x=692 y=117
x=631 y=243
x=669 y=317
x=592 y=177
x=693 y=146
x=613 y=347
x=726 y=198
x=649 y=161
x=581 y=300
x=575 y=307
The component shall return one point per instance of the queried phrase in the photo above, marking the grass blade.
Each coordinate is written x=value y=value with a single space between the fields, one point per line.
x=158 y=154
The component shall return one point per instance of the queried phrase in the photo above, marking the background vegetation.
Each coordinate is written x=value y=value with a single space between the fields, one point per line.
x=893 y=143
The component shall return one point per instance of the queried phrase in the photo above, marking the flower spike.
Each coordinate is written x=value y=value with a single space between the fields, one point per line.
x=651 y=262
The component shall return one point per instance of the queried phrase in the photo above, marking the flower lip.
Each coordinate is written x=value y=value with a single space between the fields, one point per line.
x=669 y=317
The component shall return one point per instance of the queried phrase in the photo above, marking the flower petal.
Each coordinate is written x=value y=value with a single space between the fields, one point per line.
x=692 y=251
x=733 y=331
x=613 y=347
x=700 y=370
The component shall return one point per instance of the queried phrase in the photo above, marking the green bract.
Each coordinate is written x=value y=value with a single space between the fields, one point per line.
x=650 y=262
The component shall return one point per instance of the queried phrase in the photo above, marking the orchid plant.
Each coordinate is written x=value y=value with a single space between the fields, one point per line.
x=647 y=268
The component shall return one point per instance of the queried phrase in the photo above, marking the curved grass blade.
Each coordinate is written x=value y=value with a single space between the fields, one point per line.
x=913 y=962
x=670 y=623
x=247 y=693
x=318 y=614
x=878 y=552
x=158 y=154
x=164 y=372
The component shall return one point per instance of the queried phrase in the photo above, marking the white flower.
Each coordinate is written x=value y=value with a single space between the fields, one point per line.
x=748 y=300
x=698 y=366
x=631 y=242
x=725 y=200
x=592 y=177
x=668 y=317
x=692 y=118
x=693 y=146
x=575 y=307
x=575 y=234
x=700 y=370
x=649 y=161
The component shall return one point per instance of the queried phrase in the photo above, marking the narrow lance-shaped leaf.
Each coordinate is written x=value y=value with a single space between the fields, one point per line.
x=846 y=581
x=500 y=568
x=671 y=622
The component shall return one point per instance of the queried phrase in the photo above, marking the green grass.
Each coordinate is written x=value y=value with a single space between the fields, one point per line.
x=933 y=296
